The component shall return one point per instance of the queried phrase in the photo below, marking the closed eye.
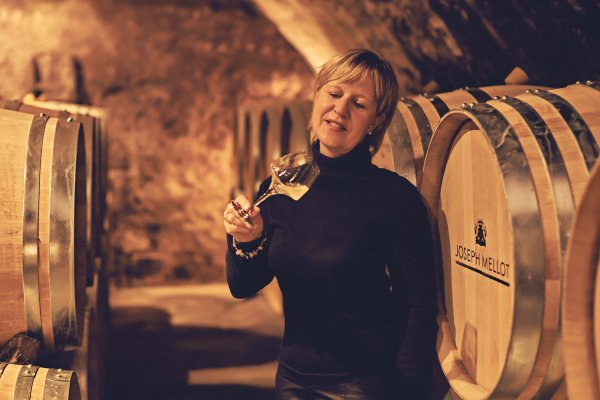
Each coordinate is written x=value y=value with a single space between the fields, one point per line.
x=359 y=105
x=335 y=95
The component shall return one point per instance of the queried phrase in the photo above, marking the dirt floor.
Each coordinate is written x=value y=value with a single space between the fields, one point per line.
x=191 y=342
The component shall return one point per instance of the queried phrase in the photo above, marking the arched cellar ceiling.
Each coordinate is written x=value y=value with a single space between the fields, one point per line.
x=450 y=43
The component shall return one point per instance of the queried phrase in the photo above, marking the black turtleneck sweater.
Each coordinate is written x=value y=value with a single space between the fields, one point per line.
x=344 y=312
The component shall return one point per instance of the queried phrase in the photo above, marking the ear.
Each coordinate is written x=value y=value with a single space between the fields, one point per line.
x=376 y=122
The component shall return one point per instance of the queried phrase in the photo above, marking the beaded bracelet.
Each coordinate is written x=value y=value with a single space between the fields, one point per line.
x=250 y=254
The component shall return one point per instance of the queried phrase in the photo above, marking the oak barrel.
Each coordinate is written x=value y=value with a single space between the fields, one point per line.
x=502 y=180
x=581 y=300
x=42 y=228
x=88 y=125
x=29 y=382
x=406 y=140
x=94 y=121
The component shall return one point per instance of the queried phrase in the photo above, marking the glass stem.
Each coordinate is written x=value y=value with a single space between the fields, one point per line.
x=270 y=192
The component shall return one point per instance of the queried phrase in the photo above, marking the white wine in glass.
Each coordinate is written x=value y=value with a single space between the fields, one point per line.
x=291 y=175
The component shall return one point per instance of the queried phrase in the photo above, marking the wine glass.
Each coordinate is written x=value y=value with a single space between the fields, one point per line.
x=291 y=175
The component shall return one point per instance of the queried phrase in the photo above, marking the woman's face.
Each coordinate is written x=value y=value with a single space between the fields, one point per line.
x=342 y=115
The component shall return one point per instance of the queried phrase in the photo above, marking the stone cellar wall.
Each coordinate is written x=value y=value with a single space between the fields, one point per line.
x=170 y=76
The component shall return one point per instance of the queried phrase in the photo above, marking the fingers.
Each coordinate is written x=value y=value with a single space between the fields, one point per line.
x=242 y=214
x=244 y=202
x=239 y=227
x=233 y=218
x=246 y=210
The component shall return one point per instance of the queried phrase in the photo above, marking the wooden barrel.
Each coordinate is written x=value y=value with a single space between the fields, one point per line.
x=406 y=141
x=29 y=382
x=94 y=121
x=43 y=234
x=94 y=166
x=501 y=180
x=581 y=300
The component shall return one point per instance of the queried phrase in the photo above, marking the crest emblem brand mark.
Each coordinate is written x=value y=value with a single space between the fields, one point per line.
x=480 y=233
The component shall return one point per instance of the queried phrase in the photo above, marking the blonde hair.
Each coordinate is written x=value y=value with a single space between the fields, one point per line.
x=351 y=66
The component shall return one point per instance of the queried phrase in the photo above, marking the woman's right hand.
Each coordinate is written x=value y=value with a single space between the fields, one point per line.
x=237 y=227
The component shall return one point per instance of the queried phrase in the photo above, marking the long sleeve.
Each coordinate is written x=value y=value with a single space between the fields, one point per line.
x=411 y=266
x=246 y=277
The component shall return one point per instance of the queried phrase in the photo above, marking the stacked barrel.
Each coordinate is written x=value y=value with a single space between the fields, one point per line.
x=581 y=299
x=54 y=239
x=404 y=145
x=23 y=382
x=503 y=174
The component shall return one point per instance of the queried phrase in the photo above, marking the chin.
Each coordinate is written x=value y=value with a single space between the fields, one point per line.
x=332 y=139
x=331 y=144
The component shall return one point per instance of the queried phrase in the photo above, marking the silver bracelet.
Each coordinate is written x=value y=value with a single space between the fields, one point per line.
x=250 y=254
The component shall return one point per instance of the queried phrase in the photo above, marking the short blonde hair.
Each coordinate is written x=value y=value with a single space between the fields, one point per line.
x=352 y=65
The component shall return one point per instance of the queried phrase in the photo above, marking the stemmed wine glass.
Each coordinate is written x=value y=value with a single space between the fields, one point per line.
x=292 y=175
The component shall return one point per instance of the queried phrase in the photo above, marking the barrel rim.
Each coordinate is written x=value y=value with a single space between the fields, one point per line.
x=66 y=232
x=31 y=226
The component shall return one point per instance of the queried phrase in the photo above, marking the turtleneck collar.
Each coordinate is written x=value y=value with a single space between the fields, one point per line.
x=358 y=158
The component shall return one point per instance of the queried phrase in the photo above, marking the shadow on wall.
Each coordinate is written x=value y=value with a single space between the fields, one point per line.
x=150 y=359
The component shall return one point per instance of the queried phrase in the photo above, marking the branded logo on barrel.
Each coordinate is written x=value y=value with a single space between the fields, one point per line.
x=480 y=233
x=477 y=260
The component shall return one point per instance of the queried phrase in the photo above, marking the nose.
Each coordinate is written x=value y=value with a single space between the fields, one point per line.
x=341 y=108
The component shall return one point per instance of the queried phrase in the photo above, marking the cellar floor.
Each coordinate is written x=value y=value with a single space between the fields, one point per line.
x=190 y=342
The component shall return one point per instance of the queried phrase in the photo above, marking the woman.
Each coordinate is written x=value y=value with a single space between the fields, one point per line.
x=354 y=329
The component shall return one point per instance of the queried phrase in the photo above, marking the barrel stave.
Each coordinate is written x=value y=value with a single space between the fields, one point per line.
x=580 y=302
x=13 y=156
